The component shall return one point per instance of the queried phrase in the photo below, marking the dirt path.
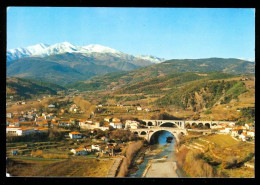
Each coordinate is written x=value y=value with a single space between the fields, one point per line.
x=114 y=168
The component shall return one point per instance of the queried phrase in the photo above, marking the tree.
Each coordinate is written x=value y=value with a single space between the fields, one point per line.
x=240 y=131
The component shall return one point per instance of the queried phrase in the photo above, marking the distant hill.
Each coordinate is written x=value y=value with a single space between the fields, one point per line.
x=23 y=88
x=113 y=81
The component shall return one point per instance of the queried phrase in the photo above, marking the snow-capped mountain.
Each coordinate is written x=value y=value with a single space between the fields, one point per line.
x=43 y=50
x=151 y=58
x=14 y=54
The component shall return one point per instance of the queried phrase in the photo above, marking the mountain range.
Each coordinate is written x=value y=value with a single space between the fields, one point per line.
x=65 y=63
x=42 y=50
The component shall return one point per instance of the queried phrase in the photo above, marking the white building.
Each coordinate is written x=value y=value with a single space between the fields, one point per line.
x=116 y=120
x=132 y=124
x=139 y=108
x=108 y=119
x=51 y=106
x=103 y=128
x=95 y=147
x=75 y=135
x=251 y=133
x=9 y=115
x=19 y=131
x=234 y=132
x=79 y=151
x=116 y=125
x=243 y=136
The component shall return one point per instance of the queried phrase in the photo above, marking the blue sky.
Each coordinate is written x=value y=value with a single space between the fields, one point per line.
x=164 y=32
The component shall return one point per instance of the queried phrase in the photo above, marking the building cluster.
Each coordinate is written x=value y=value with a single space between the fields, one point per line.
x=101 y=149
x=241 y=132
x=23 y=123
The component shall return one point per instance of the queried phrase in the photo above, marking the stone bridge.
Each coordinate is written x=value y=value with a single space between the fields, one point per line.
x=182 y=123
x=147 y=133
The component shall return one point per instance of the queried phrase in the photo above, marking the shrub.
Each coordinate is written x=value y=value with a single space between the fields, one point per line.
x=207 y=111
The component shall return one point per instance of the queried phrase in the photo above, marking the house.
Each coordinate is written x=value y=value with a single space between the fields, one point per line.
x=109 y=149
x=147 y=110
x=41 y=130
x=79 y=151
x=14 y=124
x=243 y=136
x=51 y=106
x=132 y=124
x=234 y=132
x=27 y=123
x=108 y=119
x=89 y=149
x=14 y=152
x=221 y=130
x=8 y=121
x=103 y=128
x=44 y=123
x=40 y=119
x=228 y=129
x=19 y=131
x=96 y=147
x=231 y=124
x=116 y=124
x=64 y=123
x=249 y=126
x=9 y=115
x=50 y=116
x=251 y=133
x=89 y=124
x=116 y=120
x=139 y=108
x=75 y=135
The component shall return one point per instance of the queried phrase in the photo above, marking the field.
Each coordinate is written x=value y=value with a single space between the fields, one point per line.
x=73 y=167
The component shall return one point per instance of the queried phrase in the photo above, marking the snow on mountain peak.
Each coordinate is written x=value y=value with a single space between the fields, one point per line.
x=99 y=49
x=151 y=58
x=66 y=47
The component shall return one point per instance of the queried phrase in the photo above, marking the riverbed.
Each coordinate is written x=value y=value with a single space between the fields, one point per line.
x=152 y=167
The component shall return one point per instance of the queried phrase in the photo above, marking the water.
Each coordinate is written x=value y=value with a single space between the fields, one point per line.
x=168 y=150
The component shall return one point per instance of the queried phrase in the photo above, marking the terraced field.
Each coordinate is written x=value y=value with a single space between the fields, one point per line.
x=223 y=156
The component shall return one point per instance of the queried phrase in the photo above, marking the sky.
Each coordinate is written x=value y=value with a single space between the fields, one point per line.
x=170 y=33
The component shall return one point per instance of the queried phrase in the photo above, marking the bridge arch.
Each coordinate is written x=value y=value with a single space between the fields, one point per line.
x=136 y=133
x=207 y=125
x=143 y=133
x=200 y=125
x=169 y=124
x=150 y=123
x=152 y=135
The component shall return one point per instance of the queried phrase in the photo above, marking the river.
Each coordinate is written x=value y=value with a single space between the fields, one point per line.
x=168 y=150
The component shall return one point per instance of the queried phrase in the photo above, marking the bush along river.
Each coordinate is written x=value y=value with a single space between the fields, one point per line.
x=157 y=160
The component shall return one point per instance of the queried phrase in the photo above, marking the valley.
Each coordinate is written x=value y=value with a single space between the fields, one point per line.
x=84 y=115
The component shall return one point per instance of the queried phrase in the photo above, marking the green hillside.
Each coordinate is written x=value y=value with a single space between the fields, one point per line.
x=23 y=88
x=202 y=94
x=171 y=67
